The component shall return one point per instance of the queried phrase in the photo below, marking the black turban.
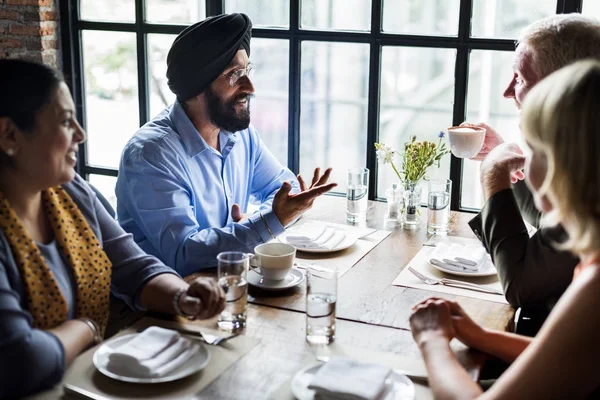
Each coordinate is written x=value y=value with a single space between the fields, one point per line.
x=202 y=51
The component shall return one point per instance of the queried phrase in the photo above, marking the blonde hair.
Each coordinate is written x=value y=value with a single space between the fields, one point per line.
x=560 y=40
x=561 y=116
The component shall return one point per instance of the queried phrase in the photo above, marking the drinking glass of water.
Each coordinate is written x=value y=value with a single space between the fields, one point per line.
x=232 y=269
x=357 y=194
x=438 y=206
x=321 y=297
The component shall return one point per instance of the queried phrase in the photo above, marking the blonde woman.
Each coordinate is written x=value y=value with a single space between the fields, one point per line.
x=61 y=253
x=561 y=123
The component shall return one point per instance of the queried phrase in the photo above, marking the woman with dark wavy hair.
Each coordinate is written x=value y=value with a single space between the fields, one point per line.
x=61 y=253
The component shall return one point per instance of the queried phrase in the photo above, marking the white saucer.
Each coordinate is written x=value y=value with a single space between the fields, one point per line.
x=398 y=387
x=194 y=364
x=294 y=278
x=487 y=269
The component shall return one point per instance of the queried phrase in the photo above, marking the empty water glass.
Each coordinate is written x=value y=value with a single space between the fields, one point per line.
x=357 y=194
x=321 y=298
x=438 y=206
x=232 y=269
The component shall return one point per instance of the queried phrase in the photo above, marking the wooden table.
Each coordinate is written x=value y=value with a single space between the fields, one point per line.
x=366 y=293
x=372 y=314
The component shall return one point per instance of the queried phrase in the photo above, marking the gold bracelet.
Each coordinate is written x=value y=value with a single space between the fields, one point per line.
x=266 y=225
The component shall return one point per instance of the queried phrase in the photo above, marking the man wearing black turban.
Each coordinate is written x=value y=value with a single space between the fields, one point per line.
x=187 y=176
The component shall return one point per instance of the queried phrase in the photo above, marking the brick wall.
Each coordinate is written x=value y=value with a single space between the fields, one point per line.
x=28 y=30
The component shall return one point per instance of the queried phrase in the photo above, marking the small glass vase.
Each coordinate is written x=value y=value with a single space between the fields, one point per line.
x=412 y=202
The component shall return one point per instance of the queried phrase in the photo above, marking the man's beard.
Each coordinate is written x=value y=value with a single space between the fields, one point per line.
x=224 y=114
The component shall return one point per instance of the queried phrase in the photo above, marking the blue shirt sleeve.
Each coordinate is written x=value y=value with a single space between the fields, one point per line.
x=132 y=267
x=31 y=359
x=161 y=205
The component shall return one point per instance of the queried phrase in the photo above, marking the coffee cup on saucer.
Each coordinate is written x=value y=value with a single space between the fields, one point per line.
x=466 y=140
x=273 y=260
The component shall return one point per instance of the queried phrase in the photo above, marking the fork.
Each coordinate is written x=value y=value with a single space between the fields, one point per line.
x=451 y=282
x=214 y=340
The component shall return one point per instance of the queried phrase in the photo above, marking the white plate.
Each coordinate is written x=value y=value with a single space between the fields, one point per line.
x=398 y=386
x=292 y=279
x=347 y=242
x=194 y=364
x=487 y=269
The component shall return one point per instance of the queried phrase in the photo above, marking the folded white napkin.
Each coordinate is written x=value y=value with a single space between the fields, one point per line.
x=306 y=233
x=345 y=379
x=334 y=238
x=152 y=353
x=458 y=257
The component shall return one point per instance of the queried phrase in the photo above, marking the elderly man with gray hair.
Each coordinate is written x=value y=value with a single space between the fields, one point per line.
x=534 y=274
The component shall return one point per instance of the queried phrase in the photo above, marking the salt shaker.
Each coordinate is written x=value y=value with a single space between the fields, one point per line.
x=394 y=204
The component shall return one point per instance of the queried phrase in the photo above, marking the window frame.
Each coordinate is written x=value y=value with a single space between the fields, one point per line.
x=72 y=63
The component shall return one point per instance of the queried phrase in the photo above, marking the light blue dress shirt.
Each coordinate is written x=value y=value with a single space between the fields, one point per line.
x=175 y=192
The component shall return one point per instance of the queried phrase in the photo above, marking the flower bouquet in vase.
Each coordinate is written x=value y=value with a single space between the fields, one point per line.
x=417 y=157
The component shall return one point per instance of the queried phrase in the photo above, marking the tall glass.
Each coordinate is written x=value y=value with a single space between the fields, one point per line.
x=438 y=206
x=321 y=298
x=232 y=269
x=357 y=194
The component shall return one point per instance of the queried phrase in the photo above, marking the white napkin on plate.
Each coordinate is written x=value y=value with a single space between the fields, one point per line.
x=334 y=238
x=346 y=379
x=458 y=257
x=152 y=353
x=306 y=233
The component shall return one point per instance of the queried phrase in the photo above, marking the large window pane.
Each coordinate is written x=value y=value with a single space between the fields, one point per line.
x=333 y=124
x=591 y=8
x=111 y=94
x=347 y=15
x=175 y=11
x=263 y=13
x=417 y=92
x=269 y=109
x=107 y=10
x=421 y=17
x=106 y=186
x=489 y=75
x=506 y=18
x=160 y=94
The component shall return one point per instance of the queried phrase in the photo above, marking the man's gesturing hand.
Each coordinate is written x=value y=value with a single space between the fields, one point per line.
x=287 y=207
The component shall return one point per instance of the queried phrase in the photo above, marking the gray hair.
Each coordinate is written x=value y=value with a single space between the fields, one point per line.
x=560 y=40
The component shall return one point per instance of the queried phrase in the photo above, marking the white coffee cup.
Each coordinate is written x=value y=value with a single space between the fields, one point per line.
x=465 y=141
x=273 y=260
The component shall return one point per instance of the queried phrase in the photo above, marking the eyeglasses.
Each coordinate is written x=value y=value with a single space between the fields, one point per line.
x=236 y=75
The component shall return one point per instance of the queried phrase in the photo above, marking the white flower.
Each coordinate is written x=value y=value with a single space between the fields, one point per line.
x=385 y=153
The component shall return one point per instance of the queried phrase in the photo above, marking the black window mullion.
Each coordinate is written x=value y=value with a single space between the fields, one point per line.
x=373 y=97
x=72 y=66
x=214 y=7
x=294 y=89
x=568 y=6
x=142 y=62
x=461 y=73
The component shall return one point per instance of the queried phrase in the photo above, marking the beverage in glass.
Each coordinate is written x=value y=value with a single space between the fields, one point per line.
x=321 y=298
x=438 y=206
x=232 y=269
x=357 y=194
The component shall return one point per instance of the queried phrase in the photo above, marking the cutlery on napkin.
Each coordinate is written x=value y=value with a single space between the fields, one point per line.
x=456 y=257
x=154 y=352
x=346 y=379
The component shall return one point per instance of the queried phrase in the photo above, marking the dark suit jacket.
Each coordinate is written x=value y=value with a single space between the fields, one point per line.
x=532 y=272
